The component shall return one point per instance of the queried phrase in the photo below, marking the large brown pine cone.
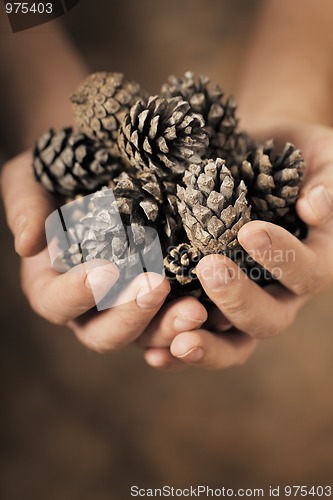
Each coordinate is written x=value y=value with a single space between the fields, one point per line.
x=100 y=103
x=211 y=208
x=162 y=137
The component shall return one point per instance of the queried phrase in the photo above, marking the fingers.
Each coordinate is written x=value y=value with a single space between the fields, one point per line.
x=27 y=205
x=178 y=316
x=242 y=302
x=213 y=351
x=115 y=328
x=289 y=260
x=183 y=314
x=61 y=298
x=162 y=358
x=315 y=205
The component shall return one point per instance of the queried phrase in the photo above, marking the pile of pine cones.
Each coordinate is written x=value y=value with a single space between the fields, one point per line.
x=176 y=162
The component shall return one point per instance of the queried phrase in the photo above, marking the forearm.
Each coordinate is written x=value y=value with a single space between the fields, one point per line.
x=42 y=69
x=288 y=74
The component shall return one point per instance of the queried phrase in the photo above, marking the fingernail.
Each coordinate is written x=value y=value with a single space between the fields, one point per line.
x=195 y=354
x=215 y=277
x=150 y=299
x=185 y=323
x=321 y=202
x=100 y=279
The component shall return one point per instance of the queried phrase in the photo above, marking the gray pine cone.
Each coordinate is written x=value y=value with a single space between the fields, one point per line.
x=134 y=202
x=70 y=163
x=100 y=103
x=162 y=137
x=273 y=180
x=211 y=208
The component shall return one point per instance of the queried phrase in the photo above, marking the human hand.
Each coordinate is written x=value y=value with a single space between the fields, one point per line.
x=68 y=299
x=245 y=312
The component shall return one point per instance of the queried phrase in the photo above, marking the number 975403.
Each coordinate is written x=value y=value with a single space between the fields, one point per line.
x=26 y=8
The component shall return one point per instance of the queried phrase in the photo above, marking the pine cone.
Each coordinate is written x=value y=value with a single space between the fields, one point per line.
x=219 y=114
x=211 y=208
x=273 y=181
x=69 y=163
x=100 y=104
x=180 y=263
x=144 y=200
x=162 y=137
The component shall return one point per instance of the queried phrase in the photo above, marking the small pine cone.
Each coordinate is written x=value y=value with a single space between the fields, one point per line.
x=70 y=163
x=180 y=263
x=273 y=181
x=211 y=208
x=219 y=113
x=100 y=103
x=162 y=137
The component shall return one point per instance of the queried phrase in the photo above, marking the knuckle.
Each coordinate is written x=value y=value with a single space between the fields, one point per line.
x=234 y=304
x=266 y=332
x=100 y=345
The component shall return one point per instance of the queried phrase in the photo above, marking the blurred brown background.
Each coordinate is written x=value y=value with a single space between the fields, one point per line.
x=79 y=426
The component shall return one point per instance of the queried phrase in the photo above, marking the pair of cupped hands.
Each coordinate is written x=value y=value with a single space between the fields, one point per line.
x=183 y=332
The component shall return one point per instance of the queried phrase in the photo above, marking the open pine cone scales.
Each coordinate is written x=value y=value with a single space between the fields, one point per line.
x=177 y=165
x=162 y=137
x=273 y=180
x=180 y=263
x=70 y=163
x=219 y=114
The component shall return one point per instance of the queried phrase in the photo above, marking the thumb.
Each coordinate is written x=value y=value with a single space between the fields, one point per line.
x=27 y=205
x=315 y=205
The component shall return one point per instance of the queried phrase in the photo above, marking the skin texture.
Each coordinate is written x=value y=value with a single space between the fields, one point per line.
x=284 y=103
